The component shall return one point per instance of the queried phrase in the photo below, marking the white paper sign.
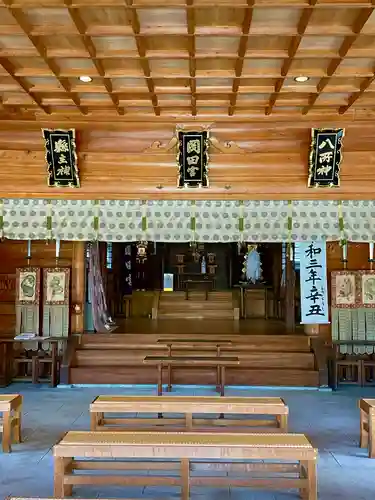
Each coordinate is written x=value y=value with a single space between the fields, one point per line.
x=168 y=282
x=313 y=270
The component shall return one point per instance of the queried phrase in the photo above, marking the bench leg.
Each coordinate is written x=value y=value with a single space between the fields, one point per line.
x=185 y=479
x=363 y=434
x=218 y=378
x=361 y=374
x=54 y=367
x=169 y=388
x=61 y=466
x=17 y=431
x=94 y=421
x=312 y=493
x=218 y=352
x=7 y=432
x=35 y=370
x=160 y=384
x=283 y=423
x=160 y=379
x=371 y=431
x=188 y=421
x=335 y=375
x=308 y=474
x=222 y=381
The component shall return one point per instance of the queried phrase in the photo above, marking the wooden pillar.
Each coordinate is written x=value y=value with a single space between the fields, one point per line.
x=290 y=321
x=277 y=272
x=78 y=287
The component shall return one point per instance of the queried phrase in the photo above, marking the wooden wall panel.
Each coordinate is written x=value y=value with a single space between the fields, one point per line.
x=12 y=255
x=114 y=164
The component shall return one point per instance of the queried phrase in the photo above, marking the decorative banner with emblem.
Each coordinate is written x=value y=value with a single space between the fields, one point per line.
x=313 y=272
x=27 y=300
x=61 y=158
x=325 y=157
x=192 y=159
x=56 y=301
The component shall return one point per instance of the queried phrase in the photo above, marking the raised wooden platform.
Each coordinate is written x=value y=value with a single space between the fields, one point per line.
x=174 y=305
x=283 y=360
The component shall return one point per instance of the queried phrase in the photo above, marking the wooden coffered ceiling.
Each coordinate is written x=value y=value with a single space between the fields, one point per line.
x=185 y=58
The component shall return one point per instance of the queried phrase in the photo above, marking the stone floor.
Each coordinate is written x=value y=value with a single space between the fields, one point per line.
x=330 y=420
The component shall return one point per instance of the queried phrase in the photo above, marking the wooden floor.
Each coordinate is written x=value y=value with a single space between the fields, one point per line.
x=189 y=326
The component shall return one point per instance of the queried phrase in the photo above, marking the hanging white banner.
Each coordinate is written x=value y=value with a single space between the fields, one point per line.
x=313 y=273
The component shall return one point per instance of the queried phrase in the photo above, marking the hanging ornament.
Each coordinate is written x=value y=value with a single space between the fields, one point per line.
x=141 y=251
x=252 y=268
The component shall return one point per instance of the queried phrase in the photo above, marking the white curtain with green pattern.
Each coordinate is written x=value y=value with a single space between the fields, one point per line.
x=185 y=220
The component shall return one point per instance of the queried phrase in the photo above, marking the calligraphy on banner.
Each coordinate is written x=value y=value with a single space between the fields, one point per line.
x=192 y=159
x=313 y=272
x=325 y=157
x=128 y=282
x=61 y=158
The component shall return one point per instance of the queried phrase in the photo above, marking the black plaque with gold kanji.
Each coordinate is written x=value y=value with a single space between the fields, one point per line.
x=61 y=158
x=325 y=157
x=192 y=159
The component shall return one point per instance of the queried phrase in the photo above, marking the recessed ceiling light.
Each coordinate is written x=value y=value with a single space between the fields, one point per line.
x=85 y=79
x=301 y=79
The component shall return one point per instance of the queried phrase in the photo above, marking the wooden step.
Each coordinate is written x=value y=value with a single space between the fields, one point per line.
x=274 y=343
x=196 y=294
x=201 y=315
x=117 y=357
x=234 y=376
x=190 y=305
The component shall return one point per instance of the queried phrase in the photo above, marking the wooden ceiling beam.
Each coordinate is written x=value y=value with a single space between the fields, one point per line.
x=20 y=19
x=21 y=82
x=346 y=45
x=136 y=28
x=90 y=48
x=102 y=31
x=291 y=4
x=356 y=95
x=190 y=19
x=292 y=50
x=242 y=47
x=8 y=108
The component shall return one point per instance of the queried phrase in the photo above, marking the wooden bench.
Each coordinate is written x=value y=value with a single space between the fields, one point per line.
x=38 y=498
x=10 y=424
x=206 y=361
x=290 y=455
x=193 y=345
x=188 y=406
x=367 y=425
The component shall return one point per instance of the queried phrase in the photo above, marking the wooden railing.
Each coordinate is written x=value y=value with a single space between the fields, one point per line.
x=322 y=354
x=68 y=357
x=155 y=305
x=236 y=305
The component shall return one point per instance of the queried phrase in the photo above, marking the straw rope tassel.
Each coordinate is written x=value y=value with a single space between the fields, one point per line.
x=144 y=219
x=49 y=221
x=1 y=219
x=96 y=224
x=341 y=224
x=241 y=221
x=193 y=221
x=290 y=228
